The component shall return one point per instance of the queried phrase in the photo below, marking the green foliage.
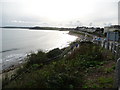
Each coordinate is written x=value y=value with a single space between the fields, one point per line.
x=107 y=55
x=92 y=86
x=34 y=66
x=100 y=82
x=105 y=81
x=20 y=70
x=95 y=86
x=5 y=80
x=63 y=80
x=87 y=64
x=53 y=53
x=59 y=74
x=37 y=58
x=62 y=73
x=109 y=70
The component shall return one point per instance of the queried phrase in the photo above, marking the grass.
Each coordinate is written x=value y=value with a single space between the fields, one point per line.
x=108 y=70
x=105 y=81
x=72 y=71
x=102 y=76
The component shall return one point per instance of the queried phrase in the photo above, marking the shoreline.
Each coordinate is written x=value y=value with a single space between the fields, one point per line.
x=13 y=68
x=85 y=68
x=80 y=36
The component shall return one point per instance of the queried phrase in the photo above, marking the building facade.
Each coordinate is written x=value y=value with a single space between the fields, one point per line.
x=112 y=28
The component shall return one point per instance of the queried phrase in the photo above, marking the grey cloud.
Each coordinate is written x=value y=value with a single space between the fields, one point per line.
x=104 y=12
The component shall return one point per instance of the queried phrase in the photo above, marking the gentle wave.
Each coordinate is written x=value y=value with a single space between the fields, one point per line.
x=13 y=59
x=9 y=50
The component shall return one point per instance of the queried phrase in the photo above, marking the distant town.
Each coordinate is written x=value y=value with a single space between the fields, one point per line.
x=93 y=30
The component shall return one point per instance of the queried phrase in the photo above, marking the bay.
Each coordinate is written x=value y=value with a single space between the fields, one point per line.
x=17 y=43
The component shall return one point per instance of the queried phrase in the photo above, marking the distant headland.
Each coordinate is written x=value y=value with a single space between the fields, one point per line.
x=39 y=28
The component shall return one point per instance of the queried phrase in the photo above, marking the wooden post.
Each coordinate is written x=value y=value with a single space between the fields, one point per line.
x=111 y=46
x=108 y=45
x=103 y=44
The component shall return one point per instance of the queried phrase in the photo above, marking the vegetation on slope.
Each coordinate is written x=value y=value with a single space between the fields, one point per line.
x=87 y=66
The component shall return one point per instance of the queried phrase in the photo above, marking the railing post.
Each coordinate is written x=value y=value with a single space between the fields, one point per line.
x=108 y=45
x=103 y=44
x=111 y=47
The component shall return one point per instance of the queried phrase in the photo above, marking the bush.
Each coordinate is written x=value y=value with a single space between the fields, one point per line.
x=37 y=58
x=53 y=53
x=67 y=72
x=63 y=80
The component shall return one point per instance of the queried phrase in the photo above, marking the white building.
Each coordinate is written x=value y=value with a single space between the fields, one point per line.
x=112 y=28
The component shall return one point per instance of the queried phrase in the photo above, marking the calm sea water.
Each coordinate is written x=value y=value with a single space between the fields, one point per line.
x=17 y=43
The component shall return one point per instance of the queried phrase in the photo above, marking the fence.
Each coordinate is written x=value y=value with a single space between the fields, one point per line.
x=114 y=47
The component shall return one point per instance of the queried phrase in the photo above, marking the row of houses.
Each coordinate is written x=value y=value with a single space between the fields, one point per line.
x=90 y=29
x=111 y=32
x=98 y=29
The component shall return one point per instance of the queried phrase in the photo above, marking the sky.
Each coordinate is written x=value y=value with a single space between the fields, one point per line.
x=58 y=13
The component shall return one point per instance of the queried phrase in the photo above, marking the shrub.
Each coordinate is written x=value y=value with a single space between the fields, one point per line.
x=36 y=58
x=65 y=73
x=53 y=53
x=63 y=80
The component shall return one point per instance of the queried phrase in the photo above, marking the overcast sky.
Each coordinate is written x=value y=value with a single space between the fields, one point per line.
x=59 y=13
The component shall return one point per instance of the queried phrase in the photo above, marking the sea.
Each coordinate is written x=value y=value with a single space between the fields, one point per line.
x=16 y=44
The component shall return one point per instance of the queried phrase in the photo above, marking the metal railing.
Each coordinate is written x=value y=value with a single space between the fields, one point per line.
x=114 y=47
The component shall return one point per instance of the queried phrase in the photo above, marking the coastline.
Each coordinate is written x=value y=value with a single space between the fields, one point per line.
x=79 y=37
x=12 y=69
x=92 y=65
x=64 y=44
